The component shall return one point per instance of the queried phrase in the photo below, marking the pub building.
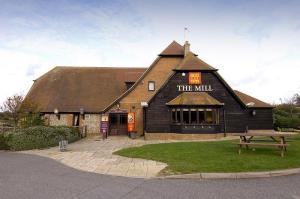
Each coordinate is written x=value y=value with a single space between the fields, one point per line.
x=178 y=97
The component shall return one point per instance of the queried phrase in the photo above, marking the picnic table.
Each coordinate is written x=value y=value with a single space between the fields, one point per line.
x=275 y=139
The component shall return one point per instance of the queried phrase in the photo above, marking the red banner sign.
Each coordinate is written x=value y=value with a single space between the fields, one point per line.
x=131 y=122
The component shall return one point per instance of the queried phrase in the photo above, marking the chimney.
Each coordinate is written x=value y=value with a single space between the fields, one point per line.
x=186 y=48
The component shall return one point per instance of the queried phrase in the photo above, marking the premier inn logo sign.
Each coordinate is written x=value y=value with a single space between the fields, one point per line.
x=195 y=78
x=194 y=84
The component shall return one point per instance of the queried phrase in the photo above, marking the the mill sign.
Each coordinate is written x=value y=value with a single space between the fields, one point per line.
x=194 y=84
x=194 y=88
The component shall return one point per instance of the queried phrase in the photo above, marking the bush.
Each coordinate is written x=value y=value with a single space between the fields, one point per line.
x=31 y=120
x=39 y=137
x=3 y=142
x=286 y=122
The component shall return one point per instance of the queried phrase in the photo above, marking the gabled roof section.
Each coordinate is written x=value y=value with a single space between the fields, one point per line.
x=194 y=98
x=70 y=88
x=251 y=102
x=192 y=63
x=174 y=49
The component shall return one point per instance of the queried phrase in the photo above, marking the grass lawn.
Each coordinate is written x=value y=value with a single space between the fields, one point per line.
x=219 y=156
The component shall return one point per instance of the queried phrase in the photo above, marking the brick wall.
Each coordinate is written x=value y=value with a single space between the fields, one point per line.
x=159 y=73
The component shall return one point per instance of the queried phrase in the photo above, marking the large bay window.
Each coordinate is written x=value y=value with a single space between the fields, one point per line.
x=195 y=116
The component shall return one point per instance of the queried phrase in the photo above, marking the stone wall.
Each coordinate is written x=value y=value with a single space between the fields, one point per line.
x=65 y=119
x=92 y=121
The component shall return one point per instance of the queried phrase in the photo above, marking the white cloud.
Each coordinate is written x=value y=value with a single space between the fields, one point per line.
x=256 y=53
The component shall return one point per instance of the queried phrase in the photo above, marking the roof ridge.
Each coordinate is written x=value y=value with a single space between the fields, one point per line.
x=173 y=49
x=98 y=67
x=192 y=62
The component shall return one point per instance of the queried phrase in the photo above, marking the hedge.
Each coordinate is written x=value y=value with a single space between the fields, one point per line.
x=287 y=122
x=3 y=142
x=38 y=137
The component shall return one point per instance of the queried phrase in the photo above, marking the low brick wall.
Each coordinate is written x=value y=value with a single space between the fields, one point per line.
x=176 y=136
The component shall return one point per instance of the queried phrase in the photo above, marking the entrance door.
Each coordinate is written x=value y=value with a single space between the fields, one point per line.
x=118 y=124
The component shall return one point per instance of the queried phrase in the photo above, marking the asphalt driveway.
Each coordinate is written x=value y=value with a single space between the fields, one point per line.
x=29 y=176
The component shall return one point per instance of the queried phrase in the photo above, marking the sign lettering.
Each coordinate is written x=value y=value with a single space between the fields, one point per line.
x=194 y=88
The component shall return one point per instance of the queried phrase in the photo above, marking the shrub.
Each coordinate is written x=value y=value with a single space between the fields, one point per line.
x=31 y=120
x=286 y=122
x=3 y=142
x=40 y=137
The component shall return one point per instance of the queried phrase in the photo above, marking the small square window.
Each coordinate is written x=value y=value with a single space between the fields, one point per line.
x=151 y=85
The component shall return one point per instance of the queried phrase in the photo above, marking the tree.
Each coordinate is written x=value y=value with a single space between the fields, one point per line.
x=30 y=114
x=297 y=99
x=287 y=114
x=11 y=107
x=22 y=112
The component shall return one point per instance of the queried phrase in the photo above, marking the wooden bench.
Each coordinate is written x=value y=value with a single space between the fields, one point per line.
x=263 y=139
x=279 y=145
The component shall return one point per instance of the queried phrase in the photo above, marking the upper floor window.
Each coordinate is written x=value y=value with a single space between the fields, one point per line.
x=151 y=86
x=129 y=85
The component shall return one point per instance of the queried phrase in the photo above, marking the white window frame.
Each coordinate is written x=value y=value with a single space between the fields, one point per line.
x=151 y=86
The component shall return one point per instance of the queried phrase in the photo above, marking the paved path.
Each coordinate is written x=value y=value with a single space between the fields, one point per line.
x=95 y=155
x=29 y=177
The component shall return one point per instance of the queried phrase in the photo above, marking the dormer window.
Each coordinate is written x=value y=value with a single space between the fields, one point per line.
x=129 y=85
x=151 y=86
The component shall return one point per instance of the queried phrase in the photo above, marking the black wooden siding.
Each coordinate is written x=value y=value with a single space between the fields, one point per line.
x=158 y=115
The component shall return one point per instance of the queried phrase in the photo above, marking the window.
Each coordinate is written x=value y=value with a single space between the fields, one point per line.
x=151 y=86
x=201 y=116
x=209 y=116
x=75 y=119
x=129 y=85
x=194 y=116
x=123 y=119
x=185 y=116
x=175 y=115
x=178 y=117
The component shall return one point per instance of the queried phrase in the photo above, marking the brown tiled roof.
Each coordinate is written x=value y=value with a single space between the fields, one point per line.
x=251 y=101
x=192 y=62
x=72 y=88
x=194 y=98
x=174 y=49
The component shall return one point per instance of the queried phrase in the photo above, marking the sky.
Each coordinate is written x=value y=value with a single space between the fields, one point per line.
x=254 y=44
